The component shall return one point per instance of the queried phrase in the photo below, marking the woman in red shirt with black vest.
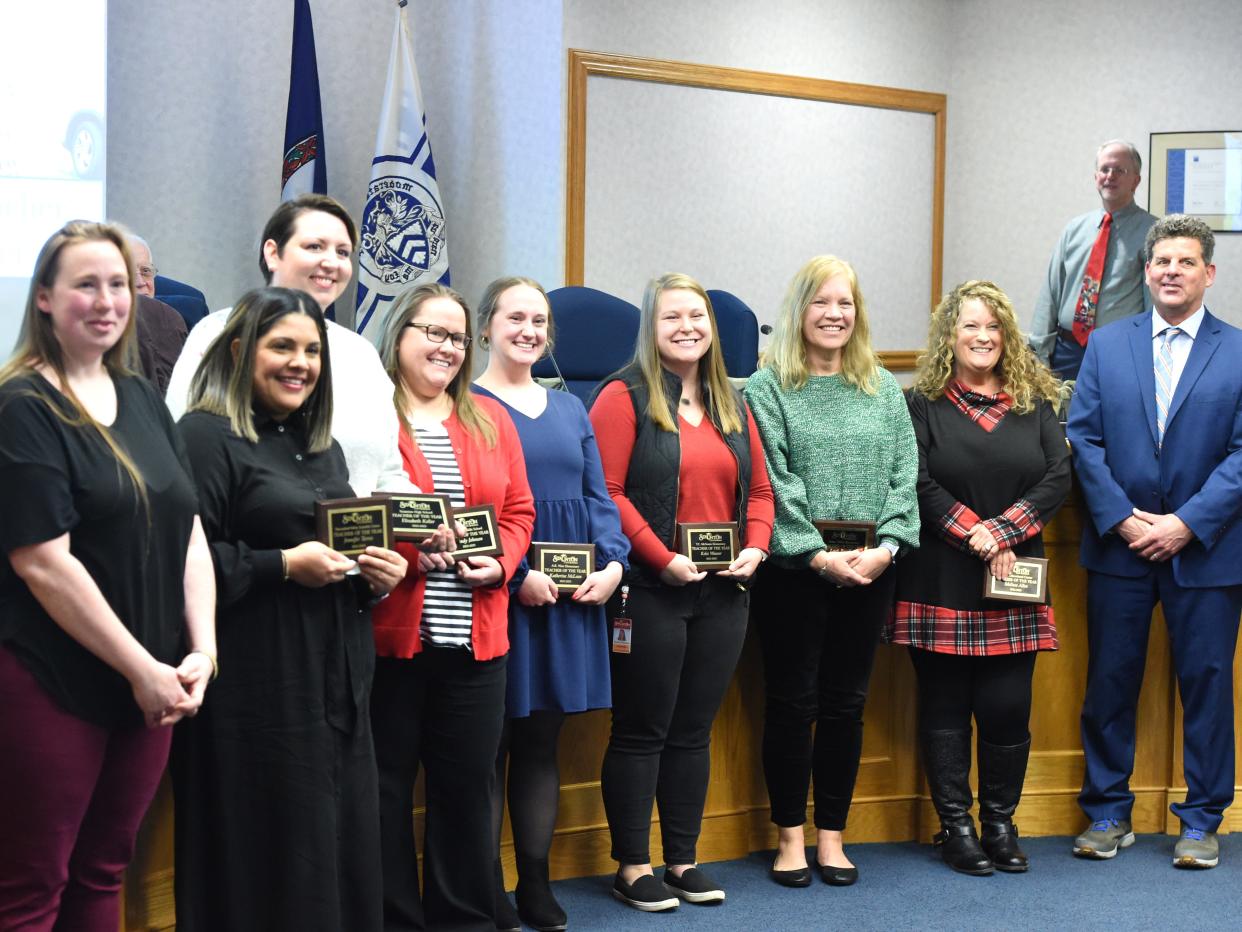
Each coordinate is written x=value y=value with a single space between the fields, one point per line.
x=678 y=446
x=442 y=636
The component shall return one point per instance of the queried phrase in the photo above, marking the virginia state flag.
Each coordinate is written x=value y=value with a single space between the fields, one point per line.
x=403 y=230
x=305 y=169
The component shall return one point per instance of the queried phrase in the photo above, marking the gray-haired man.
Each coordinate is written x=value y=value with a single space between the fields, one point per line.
x=1095 y=275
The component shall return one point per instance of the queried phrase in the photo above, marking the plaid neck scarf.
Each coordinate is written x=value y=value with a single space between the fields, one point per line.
x=985 y=410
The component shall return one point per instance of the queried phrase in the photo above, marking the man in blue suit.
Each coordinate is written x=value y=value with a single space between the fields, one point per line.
x=1156 y=429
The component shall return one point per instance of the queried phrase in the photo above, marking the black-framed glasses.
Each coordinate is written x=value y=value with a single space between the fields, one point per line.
x=437 y=334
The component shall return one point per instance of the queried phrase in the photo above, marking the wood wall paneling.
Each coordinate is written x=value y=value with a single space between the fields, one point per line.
x=891 y=803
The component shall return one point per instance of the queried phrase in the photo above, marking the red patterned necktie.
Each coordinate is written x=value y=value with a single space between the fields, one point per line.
x=1089 y=296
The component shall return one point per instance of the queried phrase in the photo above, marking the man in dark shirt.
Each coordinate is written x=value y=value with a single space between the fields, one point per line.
x=161 y=330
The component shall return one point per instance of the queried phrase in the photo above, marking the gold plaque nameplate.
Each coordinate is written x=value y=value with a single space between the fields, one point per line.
x=568 y=565
x=710 y=545
x=1026 y=582
x=846 y=535
x=482 y=532
x=351 y=525
x=415 y=516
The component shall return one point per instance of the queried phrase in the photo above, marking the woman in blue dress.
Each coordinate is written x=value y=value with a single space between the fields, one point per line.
x=558 y=647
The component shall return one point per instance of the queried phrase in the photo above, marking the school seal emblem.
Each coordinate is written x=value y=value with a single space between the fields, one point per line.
x=403 y=231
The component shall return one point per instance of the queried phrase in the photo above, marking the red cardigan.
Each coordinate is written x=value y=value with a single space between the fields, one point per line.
x=496 y=476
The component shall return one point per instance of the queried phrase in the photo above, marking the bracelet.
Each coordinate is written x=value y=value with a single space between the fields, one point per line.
x=215 y=665
x=284 y=567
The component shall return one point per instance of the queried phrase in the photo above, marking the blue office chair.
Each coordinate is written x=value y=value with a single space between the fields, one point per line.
x=594 y=337
x=739 y=333
x=185 y=299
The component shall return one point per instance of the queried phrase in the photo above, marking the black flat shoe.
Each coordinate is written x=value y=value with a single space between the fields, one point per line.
x=838 y=876
x=798 y=877
x=646 y=893
x=694 y=886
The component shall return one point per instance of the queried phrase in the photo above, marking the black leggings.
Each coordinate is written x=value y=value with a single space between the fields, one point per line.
x=819 y=645
x=534 y=784
x=685 y=642
x=995 y=690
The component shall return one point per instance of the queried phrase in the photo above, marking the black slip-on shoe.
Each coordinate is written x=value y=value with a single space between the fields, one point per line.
x=646 y=893
x=694 y=886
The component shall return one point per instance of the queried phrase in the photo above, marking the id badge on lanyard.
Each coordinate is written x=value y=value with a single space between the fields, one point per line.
x=622 y=636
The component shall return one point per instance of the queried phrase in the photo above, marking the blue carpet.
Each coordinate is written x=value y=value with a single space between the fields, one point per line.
x=905 y=886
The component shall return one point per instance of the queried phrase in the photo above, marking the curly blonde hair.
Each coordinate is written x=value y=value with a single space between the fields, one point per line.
x=1023 y=377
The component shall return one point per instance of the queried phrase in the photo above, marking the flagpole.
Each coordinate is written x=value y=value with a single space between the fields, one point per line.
x=402 y=229
x=303 y=166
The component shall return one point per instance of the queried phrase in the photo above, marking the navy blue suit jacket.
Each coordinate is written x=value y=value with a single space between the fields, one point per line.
x=1197 y=474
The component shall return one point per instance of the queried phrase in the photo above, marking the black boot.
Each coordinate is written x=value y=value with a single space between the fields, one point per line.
x=506 y=916
x=1002 y=771
x=946 y=756
x=535 y=902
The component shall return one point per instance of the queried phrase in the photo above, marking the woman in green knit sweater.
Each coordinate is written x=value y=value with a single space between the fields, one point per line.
x=840 y=447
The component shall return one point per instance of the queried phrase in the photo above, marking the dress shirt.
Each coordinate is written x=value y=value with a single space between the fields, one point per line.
x=1122 y=290
x=363 y=420
x=1180 y=346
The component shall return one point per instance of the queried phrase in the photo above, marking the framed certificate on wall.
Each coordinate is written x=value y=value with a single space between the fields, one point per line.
x=1198 y=174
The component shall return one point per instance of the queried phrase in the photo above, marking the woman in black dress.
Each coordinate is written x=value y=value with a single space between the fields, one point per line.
x=275 y=783
x=993 y=470
x=106 y=582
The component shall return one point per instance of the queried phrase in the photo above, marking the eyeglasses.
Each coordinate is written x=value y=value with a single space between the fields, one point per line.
x=437 y=334
x=1112 y=170
x=147 y=271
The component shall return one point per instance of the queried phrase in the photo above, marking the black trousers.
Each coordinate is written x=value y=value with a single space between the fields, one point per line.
x=445 y=710
x=996 y=691
x=818 y=646
x=685 y=643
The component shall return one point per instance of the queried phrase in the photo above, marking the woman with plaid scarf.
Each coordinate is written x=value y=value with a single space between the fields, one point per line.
x=993 y=469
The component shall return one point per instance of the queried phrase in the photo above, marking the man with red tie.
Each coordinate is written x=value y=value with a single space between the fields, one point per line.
x=1156 y=430
x=1095 y=275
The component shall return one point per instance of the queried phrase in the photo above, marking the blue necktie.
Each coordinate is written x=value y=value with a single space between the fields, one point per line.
x=1164 y=379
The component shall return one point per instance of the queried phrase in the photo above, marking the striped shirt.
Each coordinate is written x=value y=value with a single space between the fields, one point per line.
x=448 y=603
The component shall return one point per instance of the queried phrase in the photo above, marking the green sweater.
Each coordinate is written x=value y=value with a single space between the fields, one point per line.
x=837 y=454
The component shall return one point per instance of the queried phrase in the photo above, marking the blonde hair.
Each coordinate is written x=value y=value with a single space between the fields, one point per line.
x=721 y=403
x=491 y=300
x=786 y=354
x=37 y=344
x=225 y=386
x=405 y=311
x=1023 y=377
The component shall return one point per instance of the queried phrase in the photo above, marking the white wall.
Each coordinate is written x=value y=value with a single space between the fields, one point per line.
x=1033 y=92
x=891 y=43
x=197 y=98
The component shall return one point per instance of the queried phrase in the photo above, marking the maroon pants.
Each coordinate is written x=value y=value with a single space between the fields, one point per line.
x=72 y=795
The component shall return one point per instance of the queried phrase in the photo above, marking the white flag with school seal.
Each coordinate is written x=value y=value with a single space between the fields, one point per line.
x=402 y=234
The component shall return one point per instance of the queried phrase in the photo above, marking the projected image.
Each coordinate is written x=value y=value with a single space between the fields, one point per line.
x=53 y=139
